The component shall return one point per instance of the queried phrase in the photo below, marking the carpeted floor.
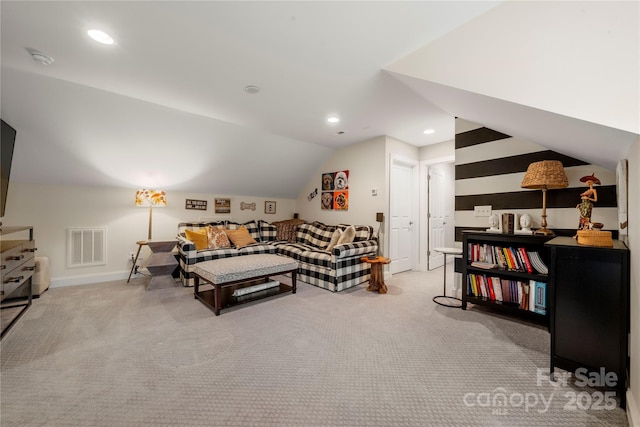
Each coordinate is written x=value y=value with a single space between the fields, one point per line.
x=113 y=354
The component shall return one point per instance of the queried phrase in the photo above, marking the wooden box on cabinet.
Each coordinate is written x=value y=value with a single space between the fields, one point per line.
x=529 y=243
x=590 y=309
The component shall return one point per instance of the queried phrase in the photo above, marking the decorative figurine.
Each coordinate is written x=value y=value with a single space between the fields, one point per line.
x=586 y=205
x=589 y=233
x=525 y=224
x=494 y=224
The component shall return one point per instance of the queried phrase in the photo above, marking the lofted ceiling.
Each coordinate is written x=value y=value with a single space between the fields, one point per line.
x=166 y=105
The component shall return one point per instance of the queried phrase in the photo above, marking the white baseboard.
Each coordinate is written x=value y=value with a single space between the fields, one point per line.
x=632 y=411
x=60 y=282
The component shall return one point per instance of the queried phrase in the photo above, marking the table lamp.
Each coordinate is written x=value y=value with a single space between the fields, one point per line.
x=151 y=198
x=545 y=175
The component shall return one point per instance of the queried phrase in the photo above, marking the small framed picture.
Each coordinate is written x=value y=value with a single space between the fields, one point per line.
x=269 y=207
x=199 y=205
x=222 y=205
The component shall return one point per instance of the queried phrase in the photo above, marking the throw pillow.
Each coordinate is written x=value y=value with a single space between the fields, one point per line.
x=198 y=237
x=286 y=230
x=240 y=237
x=347 y=235
x=217 y=238
x=334 y=239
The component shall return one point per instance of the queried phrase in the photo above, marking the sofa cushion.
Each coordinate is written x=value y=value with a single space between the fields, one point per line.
x=314 y=257
x=316 y=235
x=348 y=235
x=195 y=226
x=268 y=232
x=337 y=233
x=199 y=238
x=251 y=226
x=240 y=237
x=363 y=232
x=286 y=230
x=258 y=248
x=217 y=238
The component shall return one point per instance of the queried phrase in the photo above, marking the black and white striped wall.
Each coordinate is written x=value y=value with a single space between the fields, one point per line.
x=489 y=170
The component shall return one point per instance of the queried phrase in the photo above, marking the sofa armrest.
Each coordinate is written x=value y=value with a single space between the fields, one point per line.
x=355 y=249
x=185 y=246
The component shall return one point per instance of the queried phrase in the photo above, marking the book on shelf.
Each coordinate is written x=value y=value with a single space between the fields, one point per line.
x=484 y=265
x=538 y=299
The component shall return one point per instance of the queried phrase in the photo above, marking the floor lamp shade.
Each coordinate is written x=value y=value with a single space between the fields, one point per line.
x=545 y=175
x=151 y=198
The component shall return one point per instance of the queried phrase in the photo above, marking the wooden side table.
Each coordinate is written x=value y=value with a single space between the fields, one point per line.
x=140 y=244
x=376 y=282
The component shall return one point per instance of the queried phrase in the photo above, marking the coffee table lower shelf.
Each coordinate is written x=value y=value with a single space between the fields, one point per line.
x=227 y=300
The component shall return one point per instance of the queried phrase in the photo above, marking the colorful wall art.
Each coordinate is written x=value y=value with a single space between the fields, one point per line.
x=335 y=191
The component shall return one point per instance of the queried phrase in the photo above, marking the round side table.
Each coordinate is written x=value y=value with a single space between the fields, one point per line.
x=445 y=300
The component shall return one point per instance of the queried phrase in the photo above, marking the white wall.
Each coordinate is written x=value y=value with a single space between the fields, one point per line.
x=365 y=162
x=545 y=61
x=633 y=405
x=51 y=209
x=438 y=153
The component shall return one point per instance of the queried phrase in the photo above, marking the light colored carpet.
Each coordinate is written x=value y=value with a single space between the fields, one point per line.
x=113 y=354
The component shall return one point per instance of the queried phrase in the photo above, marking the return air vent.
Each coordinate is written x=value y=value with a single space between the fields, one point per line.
x=86 y=247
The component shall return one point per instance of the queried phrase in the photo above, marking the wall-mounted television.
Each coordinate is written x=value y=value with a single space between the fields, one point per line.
x=7 y=141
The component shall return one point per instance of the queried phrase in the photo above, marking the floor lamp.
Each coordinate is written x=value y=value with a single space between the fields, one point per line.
x=545 y=175
x=151 y=198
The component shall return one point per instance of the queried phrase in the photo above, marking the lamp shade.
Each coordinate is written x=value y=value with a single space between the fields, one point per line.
x=547 y=174
x=155 y=198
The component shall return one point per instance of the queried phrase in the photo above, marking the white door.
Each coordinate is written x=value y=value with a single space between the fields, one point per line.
x=402 y=224
x=436 y=217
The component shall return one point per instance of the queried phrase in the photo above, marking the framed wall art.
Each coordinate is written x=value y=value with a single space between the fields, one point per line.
x=199 y=205
x=269 y=207
x=335 y=191
x=222 y=206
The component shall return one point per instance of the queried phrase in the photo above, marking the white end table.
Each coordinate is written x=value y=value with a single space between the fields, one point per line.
x=445 y=300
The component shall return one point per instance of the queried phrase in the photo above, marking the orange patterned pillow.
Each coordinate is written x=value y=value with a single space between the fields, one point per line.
x=198 y=237
x=240 y=237
x=218 y=238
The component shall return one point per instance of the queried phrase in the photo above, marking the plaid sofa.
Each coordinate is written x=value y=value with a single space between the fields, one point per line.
x=336 y=270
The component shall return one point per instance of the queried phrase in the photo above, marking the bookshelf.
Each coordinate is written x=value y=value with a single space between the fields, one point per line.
x=511 y=274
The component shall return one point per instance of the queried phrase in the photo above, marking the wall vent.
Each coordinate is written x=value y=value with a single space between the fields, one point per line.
x=86 y=247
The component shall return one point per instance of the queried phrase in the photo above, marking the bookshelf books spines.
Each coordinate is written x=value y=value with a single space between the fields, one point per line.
x=506 y=258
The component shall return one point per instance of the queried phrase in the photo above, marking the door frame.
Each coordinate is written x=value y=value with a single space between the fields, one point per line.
x=424 y=205
x=415 y=206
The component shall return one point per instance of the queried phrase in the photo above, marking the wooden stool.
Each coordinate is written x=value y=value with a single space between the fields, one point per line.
x=376 y=282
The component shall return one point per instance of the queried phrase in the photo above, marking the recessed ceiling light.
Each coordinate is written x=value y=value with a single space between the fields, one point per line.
x=252 y=89
x=429 y=131
x=333 y=119
x=101 y=37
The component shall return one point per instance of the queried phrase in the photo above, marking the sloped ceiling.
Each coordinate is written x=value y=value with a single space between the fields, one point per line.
x=166 y=106
x=566 y=77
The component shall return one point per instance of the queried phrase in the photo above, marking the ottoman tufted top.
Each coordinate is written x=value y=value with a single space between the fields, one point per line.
x=225 y=270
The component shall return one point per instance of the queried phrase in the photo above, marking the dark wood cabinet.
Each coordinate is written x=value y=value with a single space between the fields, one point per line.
x=17 y=266
x=491 y=241
x=589 y=292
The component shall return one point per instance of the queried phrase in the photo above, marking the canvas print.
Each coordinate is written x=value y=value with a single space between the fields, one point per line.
x=341 y=200
x=326 y=200
x=327 y=181
x=335 y=191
